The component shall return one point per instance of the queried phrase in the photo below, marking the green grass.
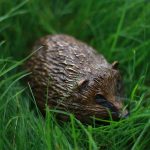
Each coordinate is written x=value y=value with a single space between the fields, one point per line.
x=120 y=30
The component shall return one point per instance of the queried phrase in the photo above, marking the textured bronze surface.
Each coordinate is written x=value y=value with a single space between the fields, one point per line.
x=69 y=75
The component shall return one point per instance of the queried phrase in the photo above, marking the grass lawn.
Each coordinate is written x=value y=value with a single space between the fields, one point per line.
x=119 y=29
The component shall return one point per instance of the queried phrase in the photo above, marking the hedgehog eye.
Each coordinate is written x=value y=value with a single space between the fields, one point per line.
x=100 y=99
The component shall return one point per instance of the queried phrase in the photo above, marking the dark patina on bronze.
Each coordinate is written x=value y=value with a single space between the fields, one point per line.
x=69 y=75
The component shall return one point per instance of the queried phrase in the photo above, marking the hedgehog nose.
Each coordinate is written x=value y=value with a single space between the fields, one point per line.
x=125 y=114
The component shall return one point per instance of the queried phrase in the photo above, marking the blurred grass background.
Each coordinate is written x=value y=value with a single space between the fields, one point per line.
x=120 y=30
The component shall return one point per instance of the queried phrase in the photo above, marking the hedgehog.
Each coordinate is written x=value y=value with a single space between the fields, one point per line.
x=68 y=75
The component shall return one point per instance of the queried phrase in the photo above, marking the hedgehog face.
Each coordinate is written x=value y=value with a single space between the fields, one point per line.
x=100 y=94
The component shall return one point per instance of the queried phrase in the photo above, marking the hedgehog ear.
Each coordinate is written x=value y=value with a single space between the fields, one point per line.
x=82 y=83
x=115 y=65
